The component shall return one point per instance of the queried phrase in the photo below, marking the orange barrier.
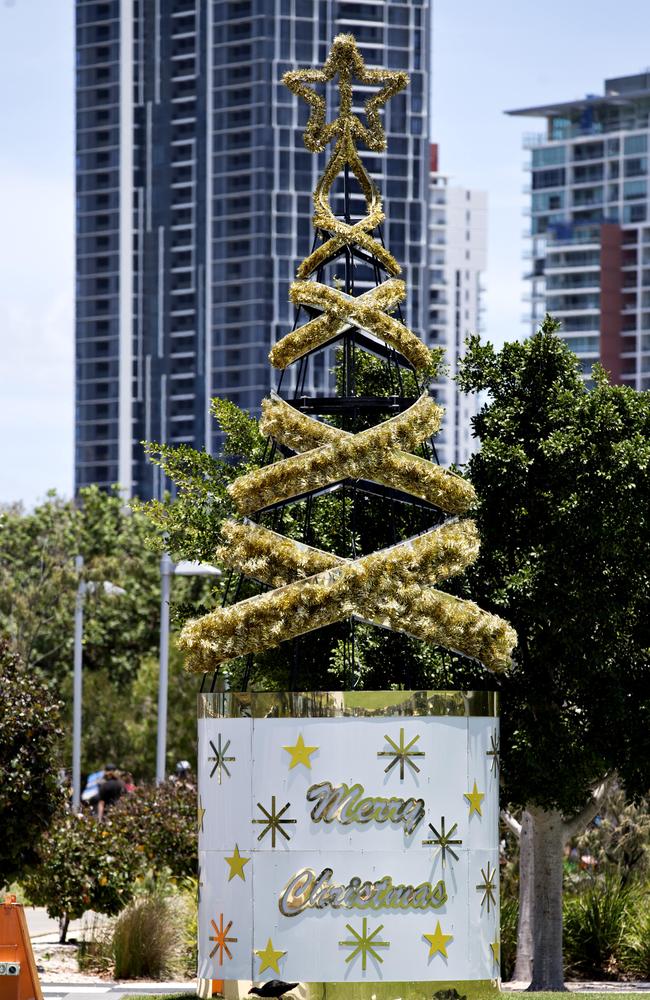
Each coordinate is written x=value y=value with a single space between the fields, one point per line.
x=18 y=976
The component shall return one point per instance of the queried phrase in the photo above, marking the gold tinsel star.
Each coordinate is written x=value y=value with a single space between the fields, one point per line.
x=346 y=60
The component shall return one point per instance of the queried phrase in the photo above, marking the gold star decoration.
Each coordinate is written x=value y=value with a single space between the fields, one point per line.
x=300 y=754
x=221 y=938
x=199 y=884
x=273 y=821
x=269 y=958
x=364 y=944
x=237 y=863
x=487 y=886
x=200 y=814
x=494 y=753
x=345 y=59
x=438 y=942
x=401 y=754
x=219 y=758
x=496 y=950
x=474 y=798
x=443 y=840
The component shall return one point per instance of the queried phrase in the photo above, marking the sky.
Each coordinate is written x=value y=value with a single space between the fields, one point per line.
x=488 y=56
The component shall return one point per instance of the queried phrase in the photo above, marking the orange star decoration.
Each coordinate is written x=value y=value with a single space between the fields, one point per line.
x=475 y=799
x=346 y=60
x=221 y=938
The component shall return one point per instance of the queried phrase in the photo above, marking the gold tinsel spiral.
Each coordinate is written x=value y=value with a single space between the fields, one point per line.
x=393 y=587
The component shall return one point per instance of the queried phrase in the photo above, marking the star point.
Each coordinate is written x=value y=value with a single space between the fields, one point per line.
x=496 y=950
x=300 y=754
x=345 y=59
x=438 y=942
x=237 y=862
x=269 y=957
x=475 y=798
x=200 y=814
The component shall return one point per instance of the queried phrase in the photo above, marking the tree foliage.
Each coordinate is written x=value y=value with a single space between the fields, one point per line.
x=563 y=480
x=30 y=739
x=38 y=584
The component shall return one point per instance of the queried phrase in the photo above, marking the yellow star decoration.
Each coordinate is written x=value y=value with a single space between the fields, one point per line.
x=269 y=958
x=438 y=941
x=474 y=798
x=346 y=60
x=300 y=754
x=200 y=815
x=237 y=863
x=496 y=950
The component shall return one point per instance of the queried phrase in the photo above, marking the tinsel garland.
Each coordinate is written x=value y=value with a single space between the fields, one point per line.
x=378 y=588
x=371 y=454
x=392 y=587
x=367 y=312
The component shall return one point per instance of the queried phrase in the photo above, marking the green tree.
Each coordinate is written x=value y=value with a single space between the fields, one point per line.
x=84 y=865
x=38 y=584
x=30 y=739
x=563 y=480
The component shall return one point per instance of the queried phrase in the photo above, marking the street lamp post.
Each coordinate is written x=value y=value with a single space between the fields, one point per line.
x=168 y=568
x=83 y=588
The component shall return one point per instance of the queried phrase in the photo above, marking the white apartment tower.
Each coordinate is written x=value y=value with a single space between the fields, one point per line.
x=458 y=258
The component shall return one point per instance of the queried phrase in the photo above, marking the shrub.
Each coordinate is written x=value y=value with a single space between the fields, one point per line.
x=147 y=939
x=635 y=946
x=84 y=865
x=29 y=758
x=509 y=916
x=594 y=924
x=162 y=822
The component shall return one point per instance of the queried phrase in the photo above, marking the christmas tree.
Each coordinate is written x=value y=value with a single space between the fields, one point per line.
x=399 y=529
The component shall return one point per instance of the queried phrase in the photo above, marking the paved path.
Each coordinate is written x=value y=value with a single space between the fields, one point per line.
x=111 y=991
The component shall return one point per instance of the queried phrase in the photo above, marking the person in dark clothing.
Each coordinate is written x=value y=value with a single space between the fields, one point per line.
x=111 y=789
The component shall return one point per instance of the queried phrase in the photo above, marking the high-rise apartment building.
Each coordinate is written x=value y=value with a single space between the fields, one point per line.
x=590 y=226
x=458 y=258
x=194 y=205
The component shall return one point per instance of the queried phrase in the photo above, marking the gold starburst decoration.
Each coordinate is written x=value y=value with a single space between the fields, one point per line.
x=494 y=752
x=443 y=840
x=220 y=759
x=488 y=886
x=273 y=821
x=364 y=944
x=221 y=939
x=345 y=60
x=401 y=754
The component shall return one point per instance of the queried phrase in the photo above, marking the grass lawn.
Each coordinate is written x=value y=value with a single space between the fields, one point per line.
x=510 y=993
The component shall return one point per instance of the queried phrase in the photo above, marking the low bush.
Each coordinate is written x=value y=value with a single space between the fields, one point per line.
x=635 y=947
x=509 y=915
x=147 y=939
x=596 y=920
x=83 y=865
x=161 y=821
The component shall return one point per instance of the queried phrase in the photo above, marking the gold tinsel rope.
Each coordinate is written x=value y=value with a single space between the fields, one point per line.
x=393 y=587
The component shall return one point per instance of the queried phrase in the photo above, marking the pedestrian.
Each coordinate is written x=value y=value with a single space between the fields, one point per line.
x=111 y=790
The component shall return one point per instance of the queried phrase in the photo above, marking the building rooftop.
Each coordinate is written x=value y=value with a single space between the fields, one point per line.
x=619 y=91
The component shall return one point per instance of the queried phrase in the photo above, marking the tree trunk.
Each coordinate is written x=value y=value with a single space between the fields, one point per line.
x=523 y=970
x=64 y=922
x=548 y=847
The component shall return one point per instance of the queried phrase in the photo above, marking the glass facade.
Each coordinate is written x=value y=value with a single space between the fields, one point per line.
x=194 y=206
x=589 y=223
